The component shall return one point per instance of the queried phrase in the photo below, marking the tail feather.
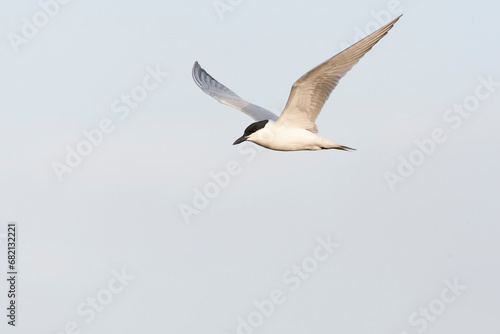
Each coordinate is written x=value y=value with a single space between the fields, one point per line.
x=345 y=148
x=338 y=147
x=328 y=144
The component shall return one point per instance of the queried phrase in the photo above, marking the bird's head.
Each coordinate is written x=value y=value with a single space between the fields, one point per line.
x=251 y=131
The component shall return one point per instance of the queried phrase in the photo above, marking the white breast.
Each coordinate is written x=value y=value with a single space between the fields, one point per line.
x=284 y=138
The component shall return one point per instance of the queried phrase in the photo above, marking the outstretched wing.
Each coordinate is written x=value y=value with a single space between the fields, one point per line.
x=311 y=91
x=226 y=96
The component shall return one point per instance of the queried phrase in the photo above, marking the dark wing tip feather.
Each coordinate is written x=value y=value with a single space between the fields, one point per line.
x=206 y=82
x=202 y=78
x=196 y=73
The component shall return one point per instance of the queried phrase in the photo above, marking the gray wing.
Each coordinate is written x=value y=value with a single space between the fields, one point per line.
x=226 y=96
x=311 y=91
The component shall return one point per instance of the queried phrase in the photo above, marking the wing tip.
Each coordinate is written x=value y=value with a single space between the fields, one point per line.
x=397 y=19
x=391 y=23
x=196 y=73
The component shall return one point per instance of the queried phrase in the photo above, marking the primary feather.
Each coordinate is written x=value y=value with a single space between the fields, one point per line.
x=311 y=91
x=226 y=96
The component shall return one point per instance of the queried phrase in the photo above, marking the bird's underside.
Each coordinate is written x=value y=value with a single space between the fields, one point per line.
x=295 y=129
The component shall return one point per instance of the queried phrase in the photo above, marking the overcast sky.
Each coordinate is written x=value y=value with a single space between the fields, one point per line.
x=135 y=214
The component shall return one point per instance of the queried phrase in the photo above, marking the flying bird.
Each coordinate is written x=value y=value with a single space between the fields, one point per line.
x=295 y=128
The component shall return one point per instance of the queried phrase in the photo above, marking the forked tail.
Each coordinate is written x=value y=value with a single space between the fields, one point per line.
x=326 y=144
x=344 y=148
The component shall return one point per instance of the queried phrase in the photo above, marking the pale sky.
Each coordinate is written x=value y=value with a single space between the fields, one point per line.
x=161 y=225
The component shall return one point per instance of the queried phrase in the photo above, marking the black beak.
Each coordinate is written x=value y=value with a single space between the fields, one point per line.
x=240 y=140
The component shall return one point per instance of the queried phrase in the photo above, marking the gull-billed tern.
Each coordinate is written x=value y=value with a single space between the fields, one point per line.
x=295 y=129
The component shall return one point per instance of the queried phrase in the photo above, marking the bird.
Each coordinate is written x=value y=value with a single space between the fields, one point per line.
x=295 y=129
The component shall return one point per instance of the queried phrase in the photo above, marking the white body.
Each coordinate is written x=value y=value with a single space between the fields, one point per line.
x=283 y=138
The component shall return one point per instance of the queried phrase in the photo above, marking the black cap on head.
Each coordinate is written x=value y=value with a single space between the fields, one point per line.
x=251 y=129
x=255 y=127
